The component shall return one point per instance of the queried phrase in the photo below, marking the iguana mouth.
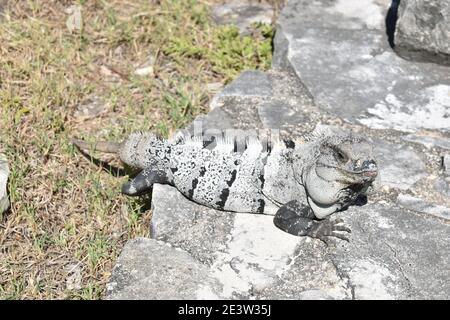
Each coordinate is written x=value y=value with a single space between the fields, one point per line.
x=369 y=171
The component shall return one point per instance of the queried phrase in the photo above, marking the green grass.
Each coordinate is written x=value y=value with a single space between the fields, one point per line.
x=66 y=211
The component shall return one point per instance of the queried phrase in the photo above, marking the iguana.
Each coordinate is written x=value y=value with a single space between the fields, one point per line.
x=301 y=184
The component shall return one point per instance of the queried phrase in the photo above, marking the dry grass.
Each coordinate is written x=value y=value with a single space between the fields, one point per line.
x=68 y=221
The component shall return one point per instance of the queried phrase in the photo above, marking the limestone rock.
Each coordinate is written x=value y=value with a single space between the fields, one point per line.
x=242 y=251
x=421 y=205
x=428 y=141
x=249 y=84
x=340 y=51
x=4 y=174
x=423 y=30
x=442 y=186
x=446 y=164
x=399 y=165
x=149 y=270
x=200 y=230
x=388 y=256
x=242 y=14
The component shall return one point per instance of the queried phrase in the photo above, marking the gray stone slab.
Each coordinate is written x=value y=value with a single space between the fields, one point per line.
x=149 y=270
x=216 y=119
x=249 y=84
x=389 y=258
x=242 y=251
x=340 y=51
x=4 y=174
x=386 y=258
x=279 y=114
x=446 y=164
x=242 y=14
x=428 y=141
x=420 y=205
x=399 y=165
x=423 y=30
x=197 y=229
x=442 y=185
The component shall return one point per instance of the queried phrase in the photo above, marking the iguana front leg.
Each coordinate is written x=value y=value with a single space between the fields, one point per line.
x=144 y=181
x=298 y=219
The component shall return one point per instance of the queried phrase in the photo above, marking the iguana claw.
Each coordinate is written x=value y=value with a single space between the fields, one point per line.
x=329 y=228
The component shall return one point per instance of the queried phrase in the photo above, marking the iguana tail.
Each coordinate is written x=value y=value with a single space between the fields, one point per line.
x=104 y=146
x=139 y=150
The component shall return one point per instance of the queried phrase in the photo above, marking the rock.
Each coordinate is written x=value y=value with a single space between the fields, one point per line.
x=184 y=224
x=394 y=254
x=420 y=205
x=443 y=186
x=446 y=164
x=242 y=14
x=146 y=68
x=4 y=174
x=423 y=30
x=148 y=269
x=399 y=165
x=249 y=84
x=242 y=251
x=74 y=277
x=339 y=50
x=3 y=4
x=215 y=121
x=314 y=295
x=274 y=100
x=428 y=141
x=75 y=20
x=144 y=71
x=277 y=114
x=386 y=258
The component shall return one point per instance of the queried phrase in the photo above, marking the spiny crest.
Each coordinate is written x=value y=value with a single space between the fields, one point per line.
x=332 y=135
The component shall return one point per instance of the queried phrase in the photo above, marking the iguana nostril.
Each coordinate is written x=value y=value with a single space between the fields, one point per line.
x=369 y=165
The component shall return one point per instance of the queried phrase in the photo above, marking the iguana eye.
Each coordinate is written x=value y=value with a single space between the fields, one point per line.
x=341 y=155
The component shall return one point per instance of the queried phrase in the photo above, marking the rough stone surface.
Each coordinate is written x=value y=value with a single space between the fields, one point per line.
x=148 y=269
x=388 y=256
x=446 y=164
x=400 y=166
x=314 y=295
x=419 y=205
x=423 y=30
x=276 y=114
x=246 y=259
x=248 y=84
x=429 y=141
x=184 y=224
x=339 y=49
x=4 y=173
x=332 y=62
x=443 y=186
x=242 y=14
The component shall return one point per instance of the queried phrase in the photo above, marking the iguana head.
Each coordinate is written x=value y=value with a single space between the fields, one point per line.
x=346 y=159
x=342 y=167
